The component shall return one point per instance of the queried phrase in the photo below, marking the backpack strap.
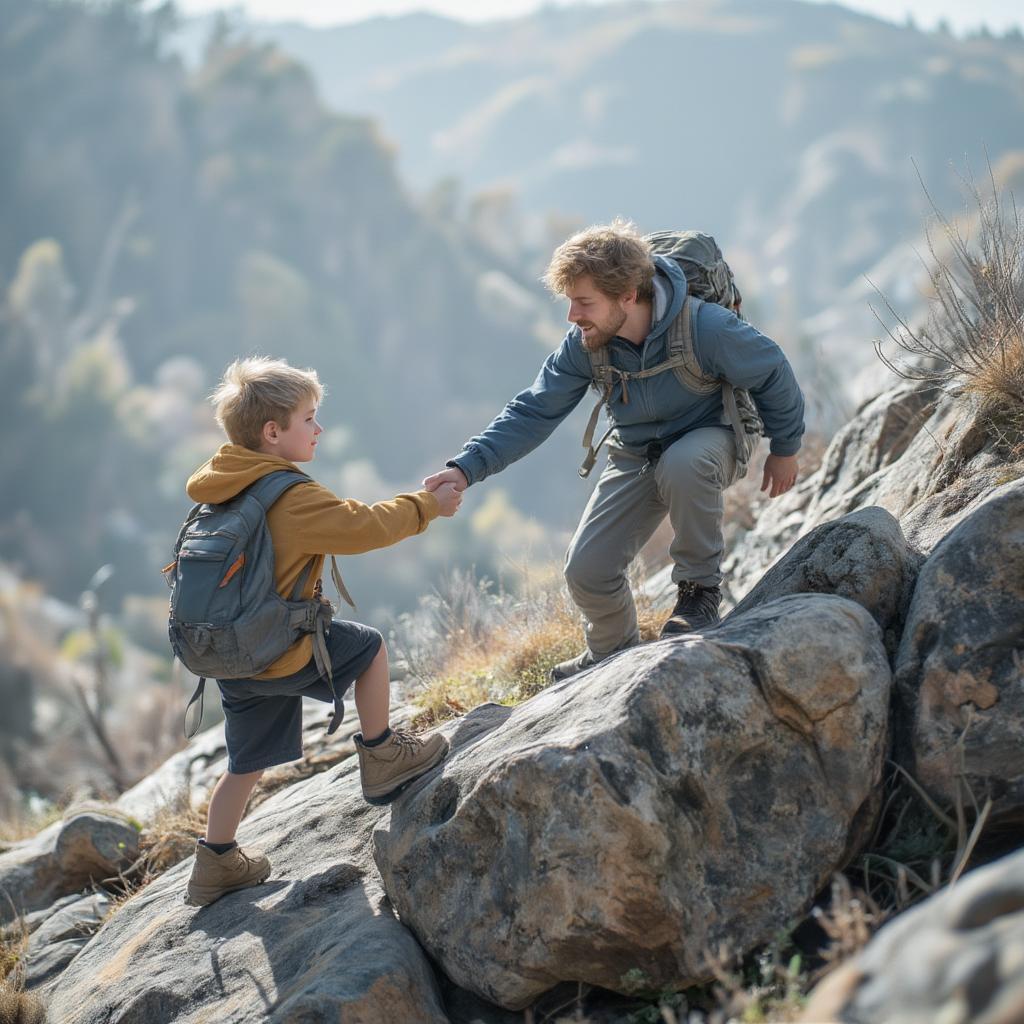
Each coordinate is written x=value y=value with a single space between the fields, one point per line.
x=197 y=721
x=740 y=410
x=266 y=491
x=680 y=347
x=269 y=488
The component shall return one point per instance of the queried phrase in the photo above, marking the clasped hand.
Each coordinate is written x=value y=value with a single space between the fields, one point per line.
x=447 y=486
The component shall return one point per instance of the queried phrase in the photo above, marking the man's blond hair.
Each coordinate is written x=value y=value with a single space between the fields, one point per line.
x=256 y=390
x=614 y=256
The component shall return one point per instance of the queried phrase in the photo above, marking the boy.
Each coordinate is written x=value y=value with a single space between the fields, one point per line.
x=268 y=410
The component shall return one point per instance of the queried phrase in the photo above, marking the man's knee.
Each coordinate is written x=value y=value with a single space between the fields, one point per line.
x=585 y=569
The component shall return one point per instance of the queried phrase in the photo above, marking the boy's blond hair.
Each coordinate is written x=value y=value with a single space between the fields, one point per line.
x=256 y=390
x=614 y=256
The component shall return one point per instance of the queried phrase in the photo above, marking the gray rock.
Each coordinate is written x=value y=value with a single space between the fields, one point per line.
x=924 y=455
x=87 y=848
x=863 y=556
x=679 y=795
x=958 y=958
x=317 y=942
x=58 y=933
x=960 y=666
x=852 y=469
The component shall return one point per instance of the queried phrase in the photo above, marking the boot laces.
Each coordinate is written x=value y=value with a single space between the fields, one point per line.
x=406 y=742
x=696 y=598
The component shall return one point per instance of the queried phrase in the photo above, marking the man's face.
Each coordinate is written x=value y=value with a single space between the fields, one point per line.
x=598 y=316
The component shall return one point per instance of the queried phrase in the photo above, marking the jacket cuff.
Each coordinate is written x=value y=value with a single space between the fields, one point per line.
x=785 y=447
x=471 y=464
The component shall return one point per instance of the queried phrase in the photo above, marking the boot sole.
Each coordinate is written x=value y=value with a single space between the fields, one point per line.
x=203 y=896
x=379 y=799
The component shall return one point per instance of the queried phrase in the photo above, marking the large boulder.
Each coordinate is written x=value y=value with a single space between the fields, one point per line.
x=862 y=556
x=925 y=455
x=318 y=942
x=957 y=959
x=86 y=848
x=617 y=826
x=960 y=666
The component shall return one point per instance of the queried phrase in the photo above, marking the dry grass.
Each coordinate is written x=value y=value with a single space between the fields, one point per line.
x=975 y=332
x=23 y=823
x=16 y=1006
x=506 y=659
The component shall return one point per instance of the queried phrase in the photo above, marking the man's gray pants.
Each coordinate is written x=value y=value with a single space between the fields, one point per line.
x=628 y=503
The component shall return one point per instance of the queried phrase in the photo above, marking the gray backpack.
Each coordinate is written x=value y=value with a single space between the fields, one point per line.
x=708 y=279
x=227 y=620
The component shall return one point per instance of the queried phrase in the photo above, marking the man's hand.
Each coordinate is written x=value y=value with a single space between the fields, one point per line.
x=452 y=475
x=449 y=497
x=780 y=472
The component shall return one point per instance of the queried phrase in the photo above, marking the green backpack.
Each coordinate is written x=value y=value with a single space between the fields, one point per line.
x=708 y=279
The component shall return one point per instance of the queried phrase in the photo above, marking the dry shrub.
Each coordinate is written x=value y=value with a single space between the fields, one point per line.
x=503 y=650
x=974 y=336
x=170 y=836
x=16 y=1006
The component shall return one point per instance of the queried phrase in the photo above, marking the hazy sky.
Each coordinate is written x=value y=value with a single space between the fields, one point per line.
x=962 y=15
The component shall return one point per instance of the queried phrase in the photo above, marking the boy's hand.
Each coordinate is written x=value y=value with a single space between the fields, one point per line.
x=452 y=475
x=779 y=474
x=449 y=497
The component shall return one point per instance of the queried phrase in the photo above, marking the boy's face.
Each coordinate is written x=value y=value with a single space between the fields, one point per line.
x=297 y=441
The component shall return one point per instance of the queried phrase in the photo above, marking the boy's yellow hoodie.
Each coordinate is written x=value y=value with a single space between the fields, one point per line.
x=307 y=521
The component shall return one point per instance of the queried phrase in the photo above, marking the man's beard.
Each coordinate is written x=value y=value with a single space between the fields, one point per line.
x=603 y=333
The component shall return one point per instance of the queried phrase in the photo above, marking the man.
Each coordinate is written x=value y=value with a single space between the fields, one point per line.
x=672 y=450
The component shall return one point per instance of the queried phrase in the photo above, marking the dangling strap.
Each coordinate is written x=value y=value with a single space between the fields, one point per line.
x=605 y=375
x=198 y=721
x=339 y=584
x=322 y=658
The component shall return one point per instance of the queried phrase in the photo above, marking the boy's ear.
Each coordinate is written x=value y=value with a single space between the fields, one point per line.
x=271 y=432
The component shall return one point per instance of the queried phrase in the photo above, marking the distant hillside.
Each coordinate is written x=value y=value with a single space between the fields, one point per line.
x=784 y=127
x=161 y=221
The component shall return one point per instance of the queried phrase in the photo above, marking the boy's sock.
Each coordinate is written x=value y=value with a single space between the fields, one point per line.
x=219 y=848
x=379 y=740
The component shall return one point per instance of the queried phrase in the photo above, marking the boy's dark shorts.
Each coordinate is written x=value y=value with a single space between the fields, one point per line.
x=263 y=717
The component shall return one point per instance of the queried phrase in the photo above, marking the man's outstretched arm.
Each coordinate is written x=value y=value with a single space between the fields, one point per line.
x=526 y=421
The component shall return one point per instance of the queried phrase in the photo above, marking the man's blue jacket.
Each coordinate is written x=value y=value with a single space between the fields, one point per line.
x=659 y=407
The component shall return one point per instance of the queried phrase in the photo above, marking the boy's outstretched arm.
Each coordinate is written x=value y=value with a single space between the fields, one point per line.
x=338 y=526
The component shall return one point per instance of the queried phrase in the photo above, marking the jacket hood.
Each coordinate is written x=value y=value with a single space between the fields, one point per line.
x=230 y=471
x=669 y=294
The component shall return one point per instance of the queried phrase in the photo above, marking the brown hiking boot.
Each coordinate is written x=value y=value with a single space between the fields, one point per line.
x=565 y=669
x=215 y=875
x=696 y=609
x=386 y=769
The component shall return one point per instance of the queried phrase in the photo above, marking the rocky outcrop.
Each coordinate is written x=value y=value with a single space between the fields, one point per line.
x=922 y=453
x=960 y=665
x=957 y=958
x=317 y=942
x=863 y=556
x=90 y=847
x=58 y=940
x=617 y=826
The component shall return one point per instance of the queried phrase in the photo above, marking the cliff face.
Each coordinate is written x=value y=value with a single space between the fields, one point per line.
x=690 y=792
